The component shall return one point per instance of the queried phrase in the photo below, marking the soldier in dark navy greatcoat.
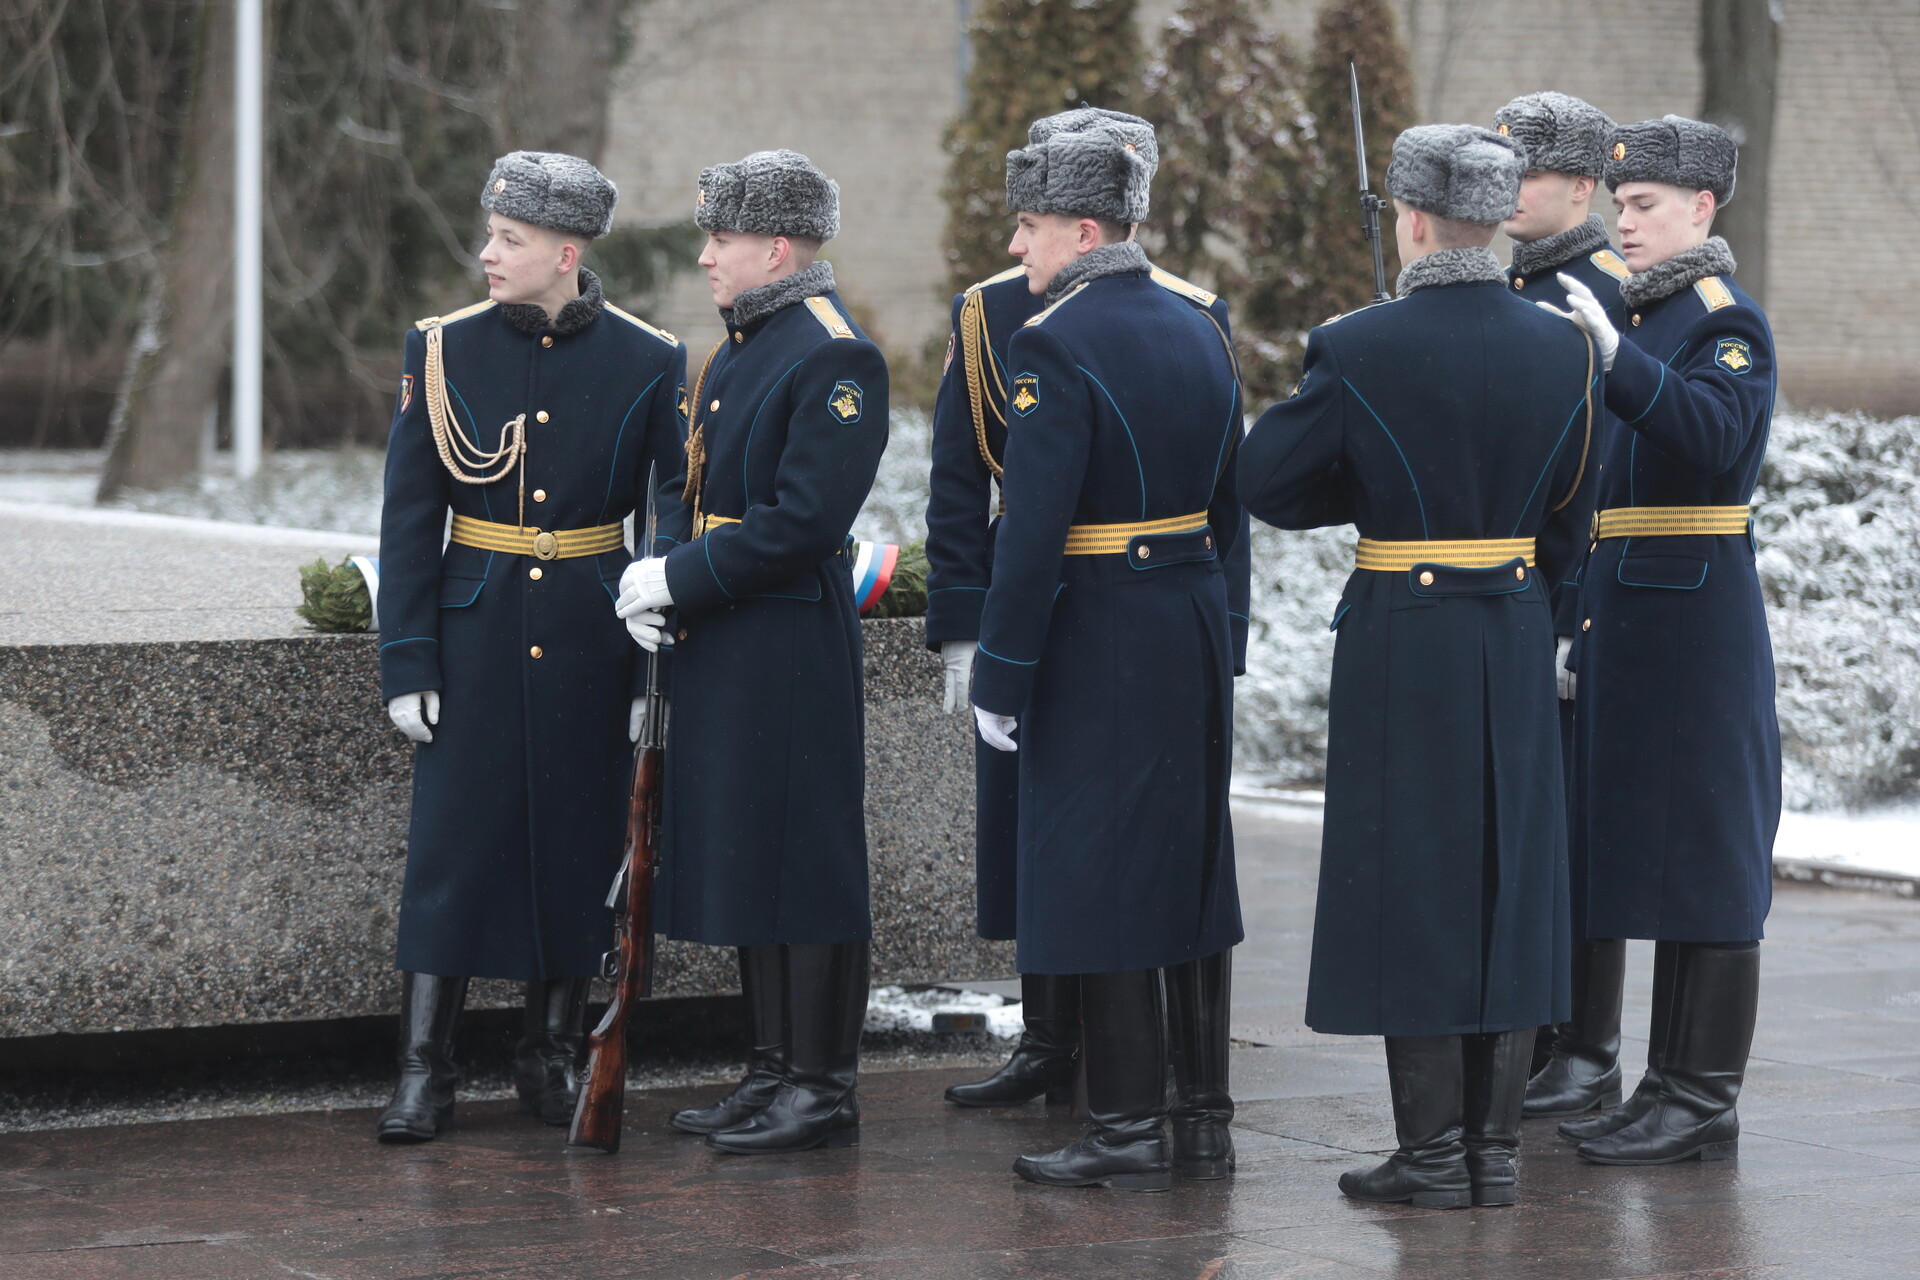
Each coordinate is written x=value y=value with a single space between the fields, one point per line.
x=1576 y=1065
x=534 y=417
x=764 y=844
x=1677 y=749
x=1450 y=426
x=970 y=420
x=1108 y=644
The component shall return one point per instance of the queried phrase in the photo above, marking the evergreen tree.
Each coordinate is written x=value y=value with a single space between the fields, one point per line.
x=1230 y=206
x=1335 y=260
x=1031 y=58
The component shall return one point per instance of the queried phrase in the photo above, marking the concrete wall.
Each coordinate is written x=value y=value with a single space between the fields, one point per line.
x=866 y=87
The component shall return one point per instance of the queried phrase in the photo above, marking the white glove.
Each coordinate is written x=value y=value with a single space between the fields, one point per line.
x=996 y=730
x=411 y=713
x=636 y=715
x=957 y=657
x=1587 y=312
x=1563 y=679
x=648 y=629
x=643 y=586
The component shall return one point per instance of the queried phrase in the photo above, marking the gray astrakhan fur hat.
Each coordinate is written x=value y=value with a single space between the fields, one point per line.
x=1457 y=171
x=1087 y=163
x=1559 y=132
x=553 y=190
x=769 y=193
x=1691 y=154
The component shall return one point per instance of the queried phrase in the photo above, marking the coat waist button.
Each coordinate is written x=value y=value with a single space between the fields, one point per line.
x=1426 y=578
x=535 y=652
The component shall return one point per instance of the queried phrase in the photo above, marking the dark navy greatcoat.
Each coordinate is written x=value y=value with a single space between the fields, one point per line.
x=960 y=526
x=765 y=834
x=519 y=802
x=1125 y=409
x=1457 y=412
x=1678 y=750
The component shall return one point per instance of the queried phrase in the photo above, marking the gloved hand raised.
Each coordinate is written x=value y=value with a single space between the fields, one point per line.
x=1563 y=679
x=1586 y=311
x=997 y=730
x=411 y=713
x=957 y=657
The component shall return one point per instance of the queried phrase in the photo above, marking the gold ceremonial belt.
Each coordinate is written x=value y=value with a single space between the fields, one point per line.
x=1656 y=522
x=541 y=544
x=707 y=524
x=1112 y=539
x=1473 y=553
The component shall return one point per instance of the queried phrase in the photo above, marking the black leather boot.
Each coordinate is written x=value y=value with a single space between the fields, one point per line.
x=1430 y=1168
x=1048 y=1055
x=817 y=1103
x=1125 y=1146
x=1706 y=1060
x=763 y=986
x=1666 y=975
x=1494 y=1072
x=1542 y=1048
x=546 y=1061
x=1200 y=1124
x=1583 y=1069
x=423 y=1100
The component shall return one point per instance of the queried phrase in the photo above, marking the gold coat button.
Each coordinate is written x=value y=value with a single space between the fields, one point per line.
x=536 y=573
x=539 y=495
x=1519 y=283
x=1520 y=573
x=1636 y=319
x=540 y=416
x=1426 y=578
x=547 y=341
x=714 y=407
x=1144 y=552
x=1587 y=625
x=683 y=633
x=738 y=336
x=535 y=652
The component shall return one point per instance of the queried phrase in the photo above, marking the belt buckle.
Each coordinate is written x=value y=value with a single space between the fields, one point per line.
x=546 y=546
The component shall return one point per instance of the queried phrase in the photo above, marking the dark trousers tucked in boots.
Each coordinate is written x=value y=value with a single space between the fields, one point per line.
x=1666 y=973
x=816 y=1103
x=1123 y=1015
x=1426 y=1074
x=1714 y=1004
x=423 y=1100
x=1048 y=1055
x=1199 y=995
x=1583 y=1067
x=763 y=985
x=546 y=1061
x=1494 y=1076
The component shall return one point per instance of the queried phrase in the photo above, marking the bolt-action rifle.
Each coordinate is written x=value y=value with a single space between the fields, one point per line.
x=1370 y=204
x=629 y=966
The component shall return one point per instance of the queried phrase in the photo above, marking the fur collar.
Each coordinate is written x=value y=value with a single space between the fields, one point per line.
x=1664 y=279
x=1114 y=259
x=1530 y=258
x=575 y=316
x=757 y=304
x=1449 y=266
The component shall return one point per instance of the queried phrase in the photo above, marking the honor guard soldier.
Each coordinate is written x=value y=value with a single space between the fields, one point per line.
x=1576 y=1066
x=764 y=836
x=535 y=417
x=1677 y=749
x=1450 y=426
x=1106 y=643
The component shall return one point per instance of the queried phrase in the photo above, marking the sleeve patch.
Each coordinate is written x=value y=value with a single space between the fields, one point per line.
x=1733 y=355
x=844 y=401
x=948 y=363
x=684 y=405
x=406 y=391
x=1026 y=393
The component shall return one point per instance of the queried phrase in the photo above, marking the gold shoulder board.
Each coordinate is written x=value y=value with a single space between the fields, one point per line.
x=1008 y=274
x=1038 y=317
x=632 y=319
x=461 y=314
x=1609 y=261
x=1185 y=288
x=830 y=319
x=1713 y=293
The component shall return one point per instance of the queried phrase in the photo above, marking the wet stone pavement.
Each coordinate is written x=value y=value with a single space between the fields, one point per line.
x=1827 y=1184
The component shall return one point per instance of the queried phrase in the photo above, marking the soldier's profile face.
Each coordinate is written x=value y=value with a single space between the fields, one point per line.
x=1044 y=243
x=1658 y=221
x=522 y=261
x=1546 y=206
x=737 y=261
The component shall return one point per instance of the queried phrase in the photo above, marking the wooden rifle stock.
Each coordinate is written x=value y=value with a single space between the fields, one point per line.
x=603 y=1087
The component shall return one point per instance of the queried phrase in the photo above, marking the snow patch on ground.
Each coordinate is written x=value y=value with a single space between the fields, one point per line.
x=1884 y=842
x=898 y=1009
